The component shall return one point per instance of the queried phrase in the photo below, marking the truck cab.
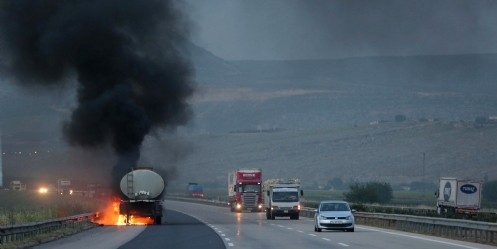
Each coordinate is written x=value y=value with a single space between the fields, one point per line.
x=283 y=200
x=244 y=190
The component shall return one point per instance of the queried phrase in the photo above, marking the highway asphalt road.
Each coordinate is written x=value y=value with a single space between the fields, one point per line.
x=191 y=225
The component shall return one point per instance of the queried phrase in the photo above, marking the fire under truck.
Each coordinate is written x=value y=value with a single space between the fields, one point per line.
x=244 y=190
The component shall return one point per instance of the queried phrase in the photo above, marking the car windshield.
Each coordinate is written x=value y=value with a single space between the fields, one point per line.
x=285 y=196
x=334 y=207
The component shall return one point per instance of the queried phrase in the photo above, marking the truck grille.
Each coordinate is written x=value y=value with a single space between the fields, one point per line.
x=250 y=201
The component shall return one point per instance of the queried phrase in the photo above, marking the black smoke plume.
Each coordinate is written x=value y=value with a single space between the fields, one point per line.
x=124 y=55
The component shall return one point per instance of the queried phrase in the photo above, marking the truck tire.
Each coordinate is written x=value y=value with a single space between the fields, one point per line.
x=158 y=220
x=273 y=216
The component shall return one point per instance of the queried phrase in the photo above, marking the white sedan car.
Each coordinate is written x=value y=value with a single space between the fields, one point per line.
x=334 y=215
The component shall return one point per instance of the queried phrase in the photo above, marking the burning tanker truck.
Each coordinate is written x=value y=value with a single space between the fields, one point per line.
x=142 y=189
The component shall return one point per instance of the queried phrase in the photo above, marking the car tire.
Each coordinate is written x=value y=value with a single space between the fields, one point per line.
x=318 y=229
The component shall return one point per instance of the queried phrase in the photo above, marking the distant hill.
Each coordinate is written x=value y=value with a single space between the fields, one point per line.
x=393 y=152
x=344 y=92
x=315 y=119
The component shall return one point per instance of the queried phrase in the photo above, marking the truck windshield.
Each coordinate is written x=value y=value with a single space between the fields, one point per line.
x=250 y=188
x=285 y=196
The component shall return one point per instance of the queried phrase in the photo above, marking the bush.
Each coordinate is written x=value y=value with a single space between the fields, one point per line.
x=489 y=191
x=400 y=118
x=371 y=192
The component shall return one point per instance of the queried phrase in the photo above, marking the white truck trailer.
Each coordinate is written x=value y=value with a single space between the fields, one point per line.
x=459 y=195
x=282 y=198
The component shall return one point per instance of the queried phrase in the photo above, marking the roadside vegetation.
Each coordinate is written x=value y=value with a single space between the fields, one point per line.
x=20 y=207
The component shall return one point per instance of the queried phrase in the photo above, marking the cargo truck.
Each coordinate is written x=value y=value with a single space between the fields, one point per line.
x=282 y=198
x=459 y=195
x=142 y=189
x=195 y=190
x=245 y=190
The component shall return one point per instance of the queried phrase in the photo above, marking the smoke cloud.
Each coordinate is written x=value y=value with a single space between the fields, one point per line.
x=123 y=53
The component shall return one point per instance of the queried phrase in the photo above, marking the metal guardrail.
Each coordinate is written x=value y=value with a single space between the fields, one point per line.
x=465 y=230
x=16 y=233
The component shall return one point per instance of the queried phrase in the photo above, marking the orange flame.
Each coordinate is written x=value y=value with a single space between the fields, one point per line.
x=110 y=216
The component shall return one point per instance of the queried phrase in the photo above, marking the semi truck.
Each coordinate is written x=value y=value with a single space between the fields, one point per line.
x=282 y=198
x=142 y=189
x=245 y=190
x=459 y=195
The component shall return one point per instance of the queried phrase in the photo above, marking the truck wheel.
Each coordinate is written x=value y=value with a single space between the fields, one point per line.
x=268 y=216
x=273 y=216
x=296 y=217
x=158 y=220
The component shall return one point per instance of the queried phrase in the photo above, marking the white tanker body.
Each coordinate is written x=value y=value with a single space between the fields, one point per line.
x=143 y=190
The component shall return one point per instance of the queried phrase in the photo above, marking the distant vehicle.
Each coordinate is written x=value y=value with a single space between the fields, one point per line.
x=245 y=190
x=142 y=188
x=459 y=195
x=282 y=198
x=334 y=215
x=17 y=185
x=195 y=190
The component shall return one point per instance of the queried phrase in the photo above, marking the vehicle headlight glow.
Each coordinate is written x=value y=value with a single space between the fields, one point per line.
x=42 y=190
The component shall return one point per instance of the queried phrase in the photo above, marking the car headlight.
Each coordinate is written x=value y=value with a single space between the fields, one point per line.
x=322 y=217
x=349 y=217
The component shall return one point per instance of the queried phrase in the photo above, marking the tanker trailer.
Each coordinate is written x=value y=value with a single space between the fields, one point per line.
x=142 y=189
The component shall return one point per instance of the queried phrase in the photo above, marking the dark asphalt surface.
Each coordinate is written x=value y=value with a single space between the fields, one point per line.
x=178 y=231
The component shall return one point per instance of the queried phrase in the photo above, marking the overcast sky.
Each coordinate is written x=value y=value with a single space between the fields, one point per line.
x=310 y=29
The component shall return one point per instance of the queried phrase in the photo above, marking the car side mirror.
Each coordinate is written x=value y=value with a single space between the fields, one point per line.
x=301 y=192
x=316 y=211
x=353 y=210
